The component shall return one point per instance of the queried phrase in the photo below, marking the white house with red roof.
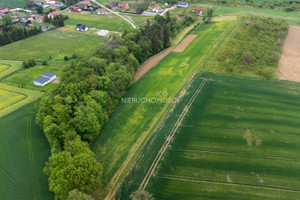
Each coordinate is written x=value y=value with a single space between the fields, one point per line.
x=53 y=14
x=197 y=9
x=157 y=9
x=101 y=11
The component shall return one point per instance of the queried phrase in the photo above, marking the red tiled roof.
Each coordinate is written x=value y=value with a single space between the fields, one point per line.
x=54 y=13
x=123 y=4
x=85 y=2
x=158 y=8
x=4 y=11
x=197 y=9
x=101 y=10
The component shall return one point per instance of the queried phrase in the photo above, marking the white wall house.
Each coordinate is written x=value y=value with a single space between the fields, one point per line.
x=44 y=79
x=157 y=9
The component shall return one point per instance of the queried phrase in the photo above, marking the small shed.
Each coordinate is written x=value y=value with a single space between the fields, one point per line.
x=44 y=79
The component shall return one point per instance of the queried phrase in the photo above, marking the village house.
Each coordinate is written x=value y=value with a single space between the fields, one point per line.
x=75 y=9
x=197 y=9
x=53 y=14
x=182 y=4
x=44 y=79
x=81 y=27
x=101 y=11
x=113 y=3
x=4 y=11
x=84 y=4
x=157 y=9
x=124 y=5
x=50 y=2
x=58 y=4
x=38 y=3
x=46 y=6
x=26 y=22
x=39 y=18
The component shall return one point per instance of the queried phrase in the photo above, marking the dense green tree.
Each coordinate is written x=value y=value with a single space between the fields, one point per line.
x=39 y=10
x=77 y=195
x=7 y=20
x=75 y=168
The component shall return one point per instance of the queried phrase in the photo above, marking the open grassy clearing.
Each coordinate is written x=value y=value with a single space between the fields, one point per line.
x=51 y=43
x=252 y=50
x=121 y=135
x=23 y=153
x=13 y=3
x=239 y=139
x=141 y=20
x=25 y=77
x=111 y=23
x=290 y=17
x=13 y=98
x=8 y=66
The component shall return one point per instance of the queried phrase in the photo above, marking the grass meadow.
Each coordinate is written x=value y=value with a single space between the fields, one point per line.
x=23 y=153
x=13 y=3
x=290 y=17
x=130 y=123
x=111 y=22
x=25 y=77
x=239 y=139
x=8 y=66
x=51 y=43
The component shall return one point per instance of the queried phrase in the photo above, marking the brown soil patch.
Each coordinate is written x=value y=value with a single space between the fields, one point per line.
x=289 y=64
x=151 y=62
x=56 y=81
x=185 y=43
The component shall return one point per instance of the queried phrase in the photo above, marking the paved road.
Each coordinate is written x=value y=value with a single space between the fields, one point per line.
x=132 y=24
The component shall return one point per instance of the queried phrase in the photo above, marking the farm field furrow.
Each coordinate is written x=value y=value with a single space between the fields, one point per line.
x=218 y=152
x=8 y=66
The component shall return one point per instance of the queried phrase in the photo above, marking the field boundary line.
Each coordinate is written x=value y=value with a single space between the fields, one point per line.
x=169 y=138
x=234 y=128
x=235 y=153
x=8 y=67
x=249 y=112
x=190 y=179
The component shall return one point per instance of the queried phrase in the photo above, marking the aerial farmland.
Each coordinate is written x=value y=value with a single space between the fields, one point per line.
x=149 y=100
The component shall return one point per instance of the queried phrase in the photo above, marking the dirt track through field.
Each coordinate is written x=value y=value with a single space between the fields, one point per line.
x=289 y=64
x=151 y=62
x=189 y=179
x=185 y=43
x=169 y=138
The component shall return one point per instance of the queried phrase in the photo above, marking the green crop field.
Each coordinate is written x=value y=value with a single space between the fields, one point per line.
x=51 y=43
x=13 y=98
x=228 y=137
x=121 y=134
x=13 y=3
x=290 y=17
x=8 y=66
x=111 y=22
x=23 y=153
x=25 y=77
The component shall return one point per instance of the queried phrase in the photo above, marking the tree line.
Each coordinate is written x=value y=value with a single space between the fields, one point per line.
x=12 y=33
x=72 y=115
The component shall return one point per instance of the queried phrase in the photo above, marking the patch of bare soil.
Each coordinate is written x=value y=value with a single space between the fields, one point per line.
x=56 y=81
x=289 y=64
x=185 y=43
x=151 y=62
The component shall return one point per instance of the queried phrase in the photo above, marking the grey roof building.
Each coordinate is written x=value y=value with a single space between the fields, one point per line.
x=44 y=79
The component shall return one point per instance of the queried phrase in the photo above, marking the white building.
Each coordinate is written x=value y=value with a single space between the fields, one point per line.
x=44 y=79
x=157 y=9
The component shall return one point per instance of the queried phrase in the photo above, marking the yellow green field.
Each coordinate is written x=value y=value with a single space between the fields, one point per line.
x=9 y=66
x=13 y=98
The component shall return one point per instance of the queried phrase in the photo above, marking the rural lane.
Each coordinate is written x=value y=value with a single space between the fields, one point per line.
x=132 y=24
